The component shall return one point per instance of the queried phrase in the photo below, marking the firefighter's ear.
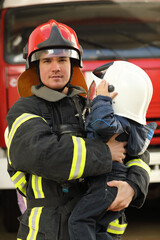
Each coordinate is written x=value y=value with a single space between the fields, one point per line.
x=26 y=80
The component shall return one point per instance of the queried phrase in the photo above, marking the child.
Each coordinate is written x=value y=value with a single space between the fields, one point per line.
x=124 y=115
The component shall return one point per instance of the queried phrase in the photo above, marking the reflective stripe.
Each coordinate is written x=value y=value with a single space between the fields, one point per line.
x=139 y=163
x=79 y=158
x=33 y=224
x=19 y=180
x=116 y=228
x=37 y=186
x=17 y=123
x=147 y=141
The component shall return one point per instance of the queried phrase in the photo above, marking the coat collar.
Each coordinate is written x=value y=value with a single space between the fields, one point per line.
x=51 y=95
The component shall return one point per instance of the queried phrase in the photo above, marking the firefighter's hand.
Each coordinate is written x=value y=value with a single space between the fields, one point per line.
x=124 y=196
x=117 y=149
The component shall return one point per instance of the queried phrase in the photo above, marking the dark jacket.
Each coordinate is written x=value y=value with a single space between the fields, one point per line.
x=41 y=160
x=44 y=160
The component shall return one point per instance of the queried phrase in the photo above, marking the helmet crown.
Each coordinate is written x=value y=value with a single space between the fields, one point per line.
x=134 y=89
x=52 y=35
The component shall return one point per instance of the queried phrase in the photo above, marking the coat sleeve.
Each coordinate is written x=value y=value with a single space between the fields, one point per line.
x=34 y=149
x=139 y=177
x=102 y=119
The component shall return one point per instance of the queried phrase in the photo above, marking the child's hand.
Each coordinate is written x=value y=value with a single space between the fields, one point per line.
x=102 y=89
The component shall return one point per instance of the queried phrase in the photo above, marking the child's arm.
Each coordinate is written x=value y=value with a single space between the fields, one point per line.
x=102 y=119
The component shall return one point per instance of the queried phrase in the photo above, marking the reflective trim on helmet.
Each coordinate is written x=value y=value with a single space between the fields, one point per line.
x=49 y=53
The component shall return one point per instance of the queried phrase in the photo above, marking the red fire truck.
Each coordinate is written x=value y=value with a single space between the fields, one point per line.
x=108 y=30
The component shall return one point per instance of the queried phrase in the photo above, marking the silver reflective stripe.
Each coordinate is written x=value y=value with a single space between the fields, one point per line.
x=144 y=147
x=37 y=186
x=19 y=180
x=16 y=177
x=79 y=158
x=139 y=163
x=116 y=228
x=33 y=224
x=23 y=188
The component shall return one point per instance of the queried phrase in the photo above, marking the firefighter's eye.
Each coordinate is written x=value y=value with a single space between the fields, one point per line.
x=46 y=60
x=62 y=59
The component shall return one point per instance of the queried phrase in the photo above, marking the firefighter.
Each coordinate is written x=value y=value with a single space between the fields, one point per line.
x=49 y=155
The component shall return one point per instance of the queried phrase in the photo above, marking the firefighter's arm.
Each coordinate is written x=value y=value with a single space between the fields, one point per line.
x=33 y=148
x=134 y=190
x=139 y=177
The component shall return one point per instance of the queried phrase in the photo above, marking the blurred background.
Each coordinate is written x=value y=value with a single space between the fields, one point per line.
x=108 y=31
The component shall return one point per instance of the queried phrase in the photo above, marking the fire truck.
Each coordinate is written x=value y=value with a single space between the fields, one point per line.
x=108 y=30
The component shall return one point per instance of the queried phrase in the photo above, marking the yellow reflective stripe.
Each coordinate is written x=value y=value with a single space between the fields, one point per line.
x=116 y=228
x=19 y=180
x=23 y=189
x=37 y=186
x=139 y=163
x=34 y=220
x=79 y=158
x=40 y=187
x=17 y=123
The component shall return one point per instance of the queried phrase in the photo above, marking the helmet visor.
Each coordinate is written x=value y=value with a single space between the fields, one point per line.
x=50 y=53
x=101 y=71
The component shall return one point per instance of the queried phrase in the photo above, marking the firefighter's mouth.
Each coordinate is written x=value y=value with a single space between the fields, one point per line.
x=56 y=77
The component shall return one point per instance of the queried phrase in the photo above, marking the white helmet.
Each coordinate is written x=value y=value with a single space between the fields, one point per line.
x=133 y=85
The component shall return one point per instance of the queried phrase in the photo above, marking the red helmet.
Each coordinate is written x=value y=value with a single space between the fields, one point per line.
x=56 y=38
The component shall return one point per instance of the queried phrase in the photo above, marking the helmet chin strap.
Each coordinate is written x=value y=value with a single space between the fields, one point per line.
x=42 y=84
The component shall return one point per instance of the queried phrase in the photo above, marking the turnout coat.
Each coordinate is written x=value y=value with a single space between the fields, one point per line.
x=49 y=157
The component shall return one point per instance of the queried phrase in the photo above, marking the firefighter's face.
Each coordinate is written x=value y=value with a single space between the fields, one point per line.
x=55 y=71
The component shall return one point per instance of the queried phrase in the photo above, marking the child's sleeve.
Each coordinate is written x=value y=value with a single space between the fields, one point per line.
x=102 y=119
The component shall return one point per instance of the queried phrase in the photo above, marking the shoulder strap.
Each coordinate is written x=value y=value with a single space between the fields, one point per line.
x=82 y=108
